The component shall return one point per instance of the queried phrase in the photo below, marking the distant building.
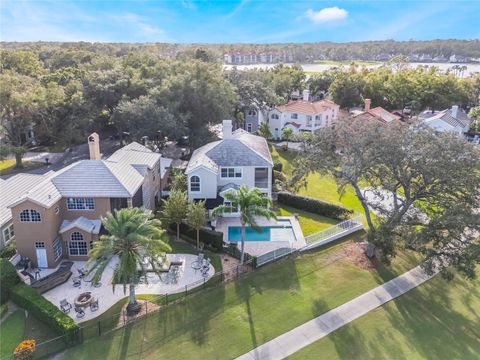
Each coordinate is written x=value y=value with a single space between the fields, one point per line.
x=377 y=113
x=454 y=120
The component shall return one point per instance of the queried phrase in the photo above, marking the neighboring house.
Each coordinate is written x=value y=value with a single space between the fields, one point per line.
x=253 y=117
x=60 y=217
x=10 y=190
x=377 y=113
x=302 y=115
x=240 y=158
x=454 y=120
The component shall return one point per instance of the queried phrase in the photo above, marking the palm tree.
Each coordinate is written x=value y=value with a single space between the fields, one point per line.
x=287 y=134
x=250 y=204
x=134 y=236
x=196 y=217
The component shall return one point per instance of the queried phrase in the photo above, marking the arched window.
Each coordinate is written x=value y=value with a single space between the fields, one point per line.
x=195 y=183
x=35 y=215
x=25 y=215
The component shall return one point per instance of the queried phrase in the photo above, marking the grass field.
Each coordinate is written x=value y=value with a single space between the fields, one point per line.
x=309 y=222
x=438 y=320
x=230 y=319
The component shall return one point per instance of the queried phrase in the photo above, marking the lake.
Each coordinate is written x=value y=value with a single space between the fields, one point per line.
x=471 y=68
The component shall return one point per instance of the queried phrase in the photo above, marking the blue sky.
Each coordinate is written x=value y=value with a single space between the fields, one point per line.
x=243 y=21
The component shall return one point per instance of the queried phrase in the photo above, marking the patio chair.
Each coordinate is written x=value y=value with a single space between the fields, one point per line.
x=94 y=304
x=65 y=306
x=76 y=282
x=79 y=311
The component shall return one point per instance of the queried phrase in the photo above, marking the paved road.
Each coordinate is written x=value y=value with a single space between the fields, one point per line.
x=313 y=330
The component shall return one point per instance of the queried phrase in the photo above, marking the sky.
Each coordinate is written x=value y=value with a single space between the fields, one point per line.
x=241 y=21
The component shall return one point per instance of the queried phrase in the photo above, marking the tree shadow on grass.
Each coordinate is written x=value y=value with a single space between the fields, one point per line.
x=426 y=317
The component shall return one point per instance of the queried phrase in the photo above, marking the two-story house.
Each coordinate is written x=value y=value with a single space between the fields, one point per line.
x=60 y=217
x=253 y=117
x=302 y=115
x=240 y=158
x=454 y=120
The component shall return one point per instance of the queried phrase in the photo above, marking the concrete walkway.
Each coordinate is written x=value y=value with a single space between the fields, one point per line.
x=313 y=330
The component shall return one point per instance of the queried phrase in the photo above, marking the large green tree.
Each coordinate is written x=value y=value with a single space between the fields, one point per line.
x=196 y=217
x=424 y=187
x=134 y=239
x=250 y=204
x=174 y=209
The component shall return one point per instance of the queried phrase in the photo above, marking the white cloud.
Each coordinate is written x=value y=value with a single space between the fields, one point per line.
x=330 y=14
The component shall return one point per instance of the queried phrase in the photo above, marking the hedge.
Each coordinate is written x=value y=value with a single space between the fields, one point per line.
x=313 y=205
x=278 y=166
x=8 y=251
x=212 y=239
x=29 y=299
x=8 y=279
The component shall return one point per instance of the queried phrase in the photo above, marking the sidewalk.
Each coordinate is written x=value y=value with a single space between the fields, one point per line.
x=313 y=330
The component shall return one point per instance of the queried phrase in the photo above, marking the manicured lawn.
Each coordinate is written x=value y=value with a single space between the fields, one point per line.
x=11 y=332
x=17 y=327
x=309 y=222
x=228 y=320
x=438 y=320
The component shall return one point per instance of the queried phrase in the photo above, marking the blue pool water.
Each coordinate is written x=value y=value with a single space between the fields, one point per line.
x=268 y=233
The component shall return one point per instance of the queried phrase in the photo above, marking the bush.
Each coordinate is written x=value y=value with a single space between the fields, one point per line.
x=8 y=279
x=234 y=251
x=277 y=175
x=212 y=239
x=278 y=166
x=313 y=205
x=9 y=250
x=29 y=299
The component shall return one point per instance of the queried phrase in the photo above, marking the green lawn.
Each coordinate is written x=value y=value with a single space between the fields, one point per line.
x=228 y=320
x=309 y=222
x=438 y=320
x=17 y=327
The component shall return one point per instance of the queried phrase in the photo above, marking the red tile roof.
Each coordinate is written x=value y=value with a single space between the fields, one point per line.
x=307 y=107
x=381 y=114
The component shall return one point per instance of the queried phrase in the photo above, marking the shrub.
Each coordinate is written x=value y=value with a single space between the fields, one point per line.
x=8 y=279
x=278 y=166
x=212 y=239
x=3 y=310
x=277 y=175
x=313 y=205
x=29 y=299
x=8 y=251
x=234 y=251
x=25 y=350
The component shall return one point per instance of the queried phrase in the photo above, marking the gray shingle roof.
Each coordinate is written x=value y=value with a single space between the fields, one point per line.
x=135 y=154
x=242 y=149
x=12 y=189
x=461 y=120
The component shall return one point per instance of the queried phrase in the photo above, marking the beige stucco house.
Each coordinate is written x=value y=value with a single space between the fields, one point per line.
x=60 y=216
x=240 y=158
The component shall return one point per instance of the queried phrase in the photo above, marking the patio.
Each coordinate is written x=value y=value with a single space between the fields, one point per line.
x=257 y=248
x=186 y=275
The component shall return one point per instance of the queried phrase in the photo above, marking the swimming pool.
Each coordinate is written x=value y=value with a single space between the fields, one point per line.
x=267 y=233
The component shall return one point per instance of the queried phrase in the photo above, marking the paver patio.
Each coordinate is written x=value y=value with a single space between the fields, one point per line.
x=107 y=297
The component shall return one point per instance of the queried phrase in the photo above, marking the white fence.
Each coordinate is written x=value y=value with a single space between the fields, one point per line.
x=320 y=238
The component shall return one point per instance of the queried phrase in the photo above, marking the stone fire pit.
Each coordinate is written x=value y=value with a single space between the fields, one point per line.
x=84 y=299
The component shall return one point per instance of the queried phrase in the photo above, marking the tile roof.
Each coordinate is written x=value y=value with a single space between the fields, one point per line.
x=461 y=120
x=307 y=107
x=12 y=189
x=121 y=175
x=242 y=149
x=380 y=114
x=82 y=223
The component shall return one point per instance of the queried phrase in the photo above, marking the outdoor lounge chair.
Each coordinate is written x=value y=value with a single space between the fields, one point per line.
x=79 y=311
x=76 y=282
x=65 y=306
x=94 y=305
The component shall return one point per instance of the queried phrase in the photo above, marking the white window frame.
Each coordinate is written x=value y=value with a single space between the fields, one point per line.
x=229 y=203
x=74 y=244
x=199 y=184
x=73 y=203
x=57 y=249
x=294 y=116
x=8 y=234
x=274 y=116
x=249 y=127
x=236 y=170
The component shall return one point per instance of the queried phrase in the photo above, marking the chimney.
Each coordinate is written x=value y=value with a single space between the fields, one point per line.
x=368 y=104
x=94 y=146
x=455 y=111
x=227 y=129
x=306 y=95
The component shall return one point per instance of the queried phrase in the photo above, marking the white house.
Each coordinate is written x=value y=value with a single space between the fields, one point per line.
x=454 y=120
x=240 y=158
x=302 y=115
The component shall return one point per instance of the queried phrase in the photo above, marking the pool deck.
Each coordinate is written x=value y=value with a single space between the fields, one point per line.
x=257 y=248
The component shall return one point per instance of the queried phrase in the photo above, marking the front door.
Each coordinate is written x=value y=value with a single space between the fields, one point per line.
x=41 y=255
